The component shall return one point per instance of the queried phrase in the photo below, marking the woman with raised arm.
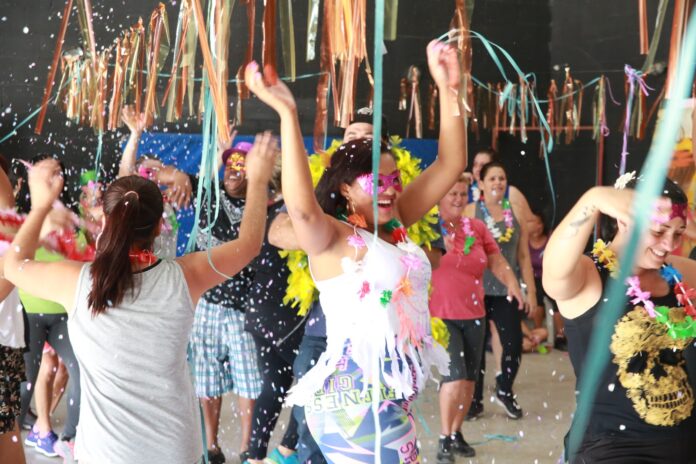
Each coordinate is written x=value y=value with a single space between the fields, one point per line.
x=373 y=288
x=503 y=219
x=643 y=408
x=130 y=314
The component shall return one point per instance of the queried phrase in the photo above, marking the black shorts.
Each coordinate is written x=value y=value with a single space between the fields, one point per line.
x=465 y=348
x=615 y=450
x=11 y=376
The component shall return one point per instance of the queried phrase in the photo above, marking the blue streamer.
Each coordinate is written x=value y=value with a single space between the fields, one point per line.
x=545 y=129
x=653 y=173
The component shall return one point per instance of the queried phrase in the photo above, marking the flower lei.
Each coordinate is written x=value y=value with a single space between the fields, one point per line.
x=493 y=227
x=680 y=324
x=469 y=237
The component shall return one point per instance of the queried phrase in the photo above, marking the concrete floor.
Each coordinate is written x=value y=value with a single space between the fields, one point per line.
x=545 y=390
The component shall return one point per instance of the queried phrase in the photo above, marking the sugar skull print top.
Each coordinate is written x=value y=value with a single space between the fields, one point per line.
x=644 y=391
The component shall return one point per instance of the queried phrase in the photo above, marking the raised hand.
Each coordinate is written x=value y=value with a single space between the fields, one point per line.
x=270 y=90
x=261 y=158
x=45 y=183
x=443 y=63
x=135 y=122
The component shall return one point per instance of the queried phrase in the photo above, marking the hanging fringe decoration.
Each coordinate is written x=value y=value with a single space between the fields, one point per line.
x=156 y=54
x=460 y=23
x=219 y=105
x=350 y=49
x=183 y=65
x=415 y=114
x=634 y=83
x=321 y=114
x=269 y=37
x=682 y=9
x=568 y=116
x=659 y=22
x=312 y=28
x=84 y=16
x=54 y=66
x=287 y=31
x=242 y=90
x=391 y=14
x=136 y=63
x=643 y=26
x=432 y=105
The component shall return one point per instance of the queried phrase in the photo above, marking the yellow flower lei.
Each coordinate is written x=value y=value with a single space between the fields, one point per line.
x=301 y=290
x=605 y=256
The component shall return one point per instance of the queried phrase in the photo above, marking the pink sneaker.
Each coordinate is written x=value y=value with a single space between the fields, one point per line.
x=66 y=450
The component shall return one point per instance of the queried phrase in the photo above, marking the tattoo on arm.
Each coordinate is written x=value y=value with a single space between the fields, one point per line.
x=582 y=218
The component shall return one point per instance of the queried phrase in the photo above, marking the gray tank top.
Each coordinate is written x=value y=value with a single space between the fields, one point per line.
x=138 y=403
x=491 y=285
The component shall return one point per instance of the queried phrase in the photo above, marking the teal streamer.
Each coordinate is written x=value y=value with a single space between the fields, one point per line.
x=585 y=85
x=98 y=155
x=31 y=116
x=545 y=129
x=376 y=154
x=653 y=172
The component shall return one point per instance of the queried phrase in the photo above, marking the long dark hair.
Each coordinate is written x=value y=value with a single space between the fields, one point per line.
x=133 y=209
x=350 y=160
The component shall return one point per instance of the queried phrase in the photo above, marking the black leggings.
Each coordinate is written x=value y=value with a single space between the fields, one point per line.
x=52 y=328
x=506 y=317
x=276 y=374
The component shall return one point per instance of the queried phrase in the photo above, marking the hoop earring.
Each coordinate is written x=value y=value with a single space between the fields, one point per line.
x=356 y=219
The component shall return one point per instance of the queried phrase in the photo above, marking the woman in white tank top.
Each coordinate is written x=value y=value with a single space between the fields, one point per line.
x=130 y=314
x=373 y=288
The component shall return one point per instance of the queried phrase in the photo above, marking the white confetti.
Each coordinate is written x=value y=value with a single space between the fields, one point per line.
x=25 y=30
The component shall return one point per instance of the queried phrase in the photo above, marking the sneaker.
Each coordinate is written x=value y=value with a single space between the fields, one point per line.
x=461 y=447
x=32 y=437
x=217 y=457
x=444 y=451
x=475 y=411
x=507 y=401
x=45 y=445
x=277 y=457
x=65 y=448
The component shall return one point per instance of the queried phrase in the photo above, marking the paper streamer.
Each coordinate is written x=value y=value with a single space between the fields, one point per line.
x=287 y=32
x=376 y=155
x=653 y=173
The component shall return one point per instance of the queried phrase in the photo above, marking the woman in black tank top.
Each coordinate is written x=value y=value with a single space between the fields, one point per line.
x=642 y=411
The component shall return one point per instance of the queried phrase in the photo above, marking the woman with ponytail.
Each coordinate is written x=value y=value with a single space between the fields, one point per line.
x=130 y=314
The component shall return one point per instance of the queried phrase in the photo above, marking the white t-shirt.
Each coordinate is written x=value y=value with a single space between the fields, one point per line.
x=11 y=321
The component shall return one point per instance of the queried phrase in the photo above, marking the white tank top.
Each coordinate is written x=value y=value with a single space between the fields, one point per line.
x=11 y=321
x=137 y=399
x=379 y=306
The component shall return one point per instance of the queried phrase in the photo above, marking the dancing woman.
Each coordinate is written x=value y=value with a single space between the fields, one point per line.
x=130 y=314
x=642 y=412
x=373 y=289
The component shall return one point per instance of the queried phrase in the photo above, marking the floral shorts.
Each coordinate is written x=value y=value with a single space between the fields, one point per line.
x=11 y=376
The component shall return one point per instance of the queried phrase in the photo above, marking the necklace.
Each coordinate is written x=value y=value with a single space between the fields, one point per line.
x=465 y=227
x=679 y=321
x=493 y=226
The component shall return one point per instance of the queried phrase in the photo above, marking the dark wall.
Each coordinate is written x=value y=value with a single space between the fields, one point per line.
x=599 y=37
x=592 y=36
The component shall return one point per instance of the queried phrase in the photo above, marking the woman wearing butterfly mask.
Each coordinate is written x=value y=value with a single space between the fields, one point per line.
x=373 y=288
x=643 y=408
